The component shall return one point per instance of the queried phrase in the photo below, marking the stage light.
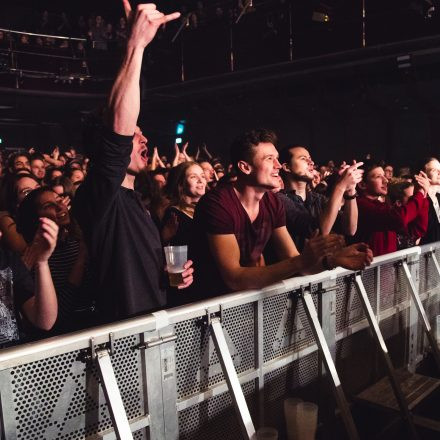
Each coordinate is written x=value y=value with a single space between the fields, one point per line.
x=178 y=140
x=180 y=128
x=320 y=17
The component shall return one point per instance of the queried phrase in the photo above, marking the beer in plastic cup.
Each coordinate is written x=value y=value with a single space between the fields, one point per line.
x=176 y=257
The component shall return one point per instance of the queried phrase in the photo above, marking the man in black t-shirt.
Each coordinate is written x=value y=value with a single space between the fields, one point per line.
x=123 y=242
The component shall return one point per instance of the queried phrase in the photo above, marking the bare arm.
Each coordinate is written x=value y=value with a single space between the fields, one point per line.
x=42 y=308
x=226 y=253
x=124 y=101
x=350 y=177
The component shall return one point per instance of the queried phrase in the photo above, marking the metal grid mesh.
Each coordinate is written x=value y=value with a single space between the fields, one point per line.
x=198 y=366
x=287 y=381
x=349 y=309
x=285 y=324
x=215 y=419
x=60 y=397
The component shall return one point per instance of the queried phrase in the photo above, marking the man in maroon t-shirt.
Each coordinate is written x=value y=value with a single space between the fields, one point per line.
x=234 y=222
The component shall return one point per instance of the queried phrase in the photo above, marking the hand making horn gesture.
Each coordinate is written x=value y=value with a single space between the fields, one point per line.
x=144 y=22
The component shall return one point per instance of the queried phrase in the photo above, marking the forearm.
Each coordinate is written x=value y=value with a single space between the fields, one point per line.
x=330 y=213
x=124 y=101
x=43 y=310
x=350 y=217
x=258 y=277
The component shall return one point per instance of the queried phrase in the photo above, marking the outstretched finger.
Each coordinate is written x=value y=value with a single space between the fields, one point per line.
x=127 y=8
x=170 y=17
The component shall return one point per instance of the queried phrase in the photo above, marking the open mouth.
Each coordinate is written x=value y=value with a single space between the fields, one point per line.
x=144 y=155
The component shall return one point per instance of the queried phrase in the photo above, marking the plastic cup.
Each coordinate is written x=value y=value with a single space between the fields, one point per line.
x=307 y=420
x=267 y=433
x=291 y=417
x=176 y=257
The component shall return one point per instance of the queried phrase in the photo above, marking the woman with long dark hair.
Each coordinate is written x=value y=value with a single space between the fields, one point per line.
x=186 y=185
x=68 y=261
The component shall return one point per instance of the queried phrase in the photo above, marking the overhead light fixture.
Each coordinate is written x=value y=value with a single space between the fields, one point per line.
x=321 y=17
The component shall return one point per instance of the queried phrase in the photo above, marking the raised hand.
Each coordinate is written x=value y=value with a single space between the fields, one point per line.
x=144 y=22
x=43 y=244
x=351 y=175
x=423 y=182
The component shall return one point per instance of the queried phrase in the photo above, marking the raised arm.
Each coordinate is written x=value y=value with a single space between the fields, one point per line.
x=124 y=101
x=42 y=308
x=350 y=177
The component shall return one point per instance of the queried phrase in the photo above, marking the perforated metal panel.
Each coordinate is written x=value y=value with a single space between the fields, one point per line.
x=198 y=365
x=215 y=419
x=286 y=327
x=60 y=397
x=349 y=309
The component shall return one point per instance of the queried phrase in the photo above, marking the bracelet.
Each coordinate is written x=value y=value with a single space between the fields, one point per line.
x=348 y=197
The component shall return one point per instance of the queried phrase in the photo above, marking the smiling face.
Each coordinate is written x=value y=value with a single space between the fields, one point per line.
x=264 y=168
x=195 y=182
x=21 y=163
x=300 y=165
x=49 y=205
x=138 y=157
x=38 y=168
x=77 y=176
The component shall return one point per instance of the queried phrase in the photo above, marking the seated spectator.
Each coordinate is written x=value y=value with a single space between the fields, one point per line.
x=310 y=210
x=13 y=190
x=379 y=221
x=38 y=167
x=186 y=185
x=68 y=261
x=29 y=305
x=235 y=221
x=399 y=192
x=431 y=166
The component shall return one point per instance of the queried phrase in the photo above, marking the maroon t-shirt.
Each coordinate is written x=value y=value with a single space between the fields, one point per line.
x=221 y=212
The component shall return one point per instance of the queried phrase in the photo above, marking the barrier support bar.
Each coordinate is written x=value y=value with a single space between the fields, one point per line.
x=312 y=315
x=113 y=396
x=377 y=334
x=421 y=311
x=230 y=374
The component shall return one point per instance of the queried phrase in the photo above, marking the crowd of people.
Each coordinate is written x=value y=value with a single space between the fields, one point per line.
x=83 y=234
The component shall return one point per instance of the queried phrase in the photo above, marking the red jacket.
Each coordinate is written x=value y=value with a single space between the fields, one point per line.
x=379 y=223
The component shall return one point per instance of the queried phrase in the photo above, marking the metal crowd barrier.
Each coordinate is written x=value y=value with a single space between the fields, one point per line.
x=220 y=368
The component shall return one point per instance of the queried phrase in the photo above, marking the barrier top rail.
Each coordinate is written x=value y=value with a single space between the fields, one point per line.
x=60 y=37
x=34 y=351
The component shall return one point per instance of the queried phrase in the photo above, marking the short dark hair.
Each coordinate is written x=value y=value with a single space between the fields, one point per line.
x=369 y=165
x=37 y=156
x=286 y=154
x=242 y=147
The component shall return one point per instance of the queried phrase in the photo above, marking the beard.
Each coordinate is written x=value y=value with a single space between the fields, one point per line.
x=301 y=177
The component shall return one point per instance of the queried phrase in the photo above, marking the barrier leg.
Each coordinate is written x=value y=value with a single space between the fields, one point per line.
x=403 y=405
x=421 y=311
x=113 y=396
x=312 y=315
x=230 y=374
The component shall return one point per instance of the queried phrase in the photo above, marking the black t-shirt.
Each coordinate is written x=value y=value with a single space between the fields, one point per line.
x=433 y=233
x=125 y=252
x=16 y=287
x=184 y=231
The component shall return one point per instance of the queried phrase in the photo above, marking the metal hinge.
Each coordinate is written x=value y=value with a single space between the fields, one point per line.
x=159 y=341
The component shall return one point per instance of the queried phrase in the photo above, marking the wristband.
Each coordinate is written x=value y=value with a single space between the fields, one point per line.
x=348 y=197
